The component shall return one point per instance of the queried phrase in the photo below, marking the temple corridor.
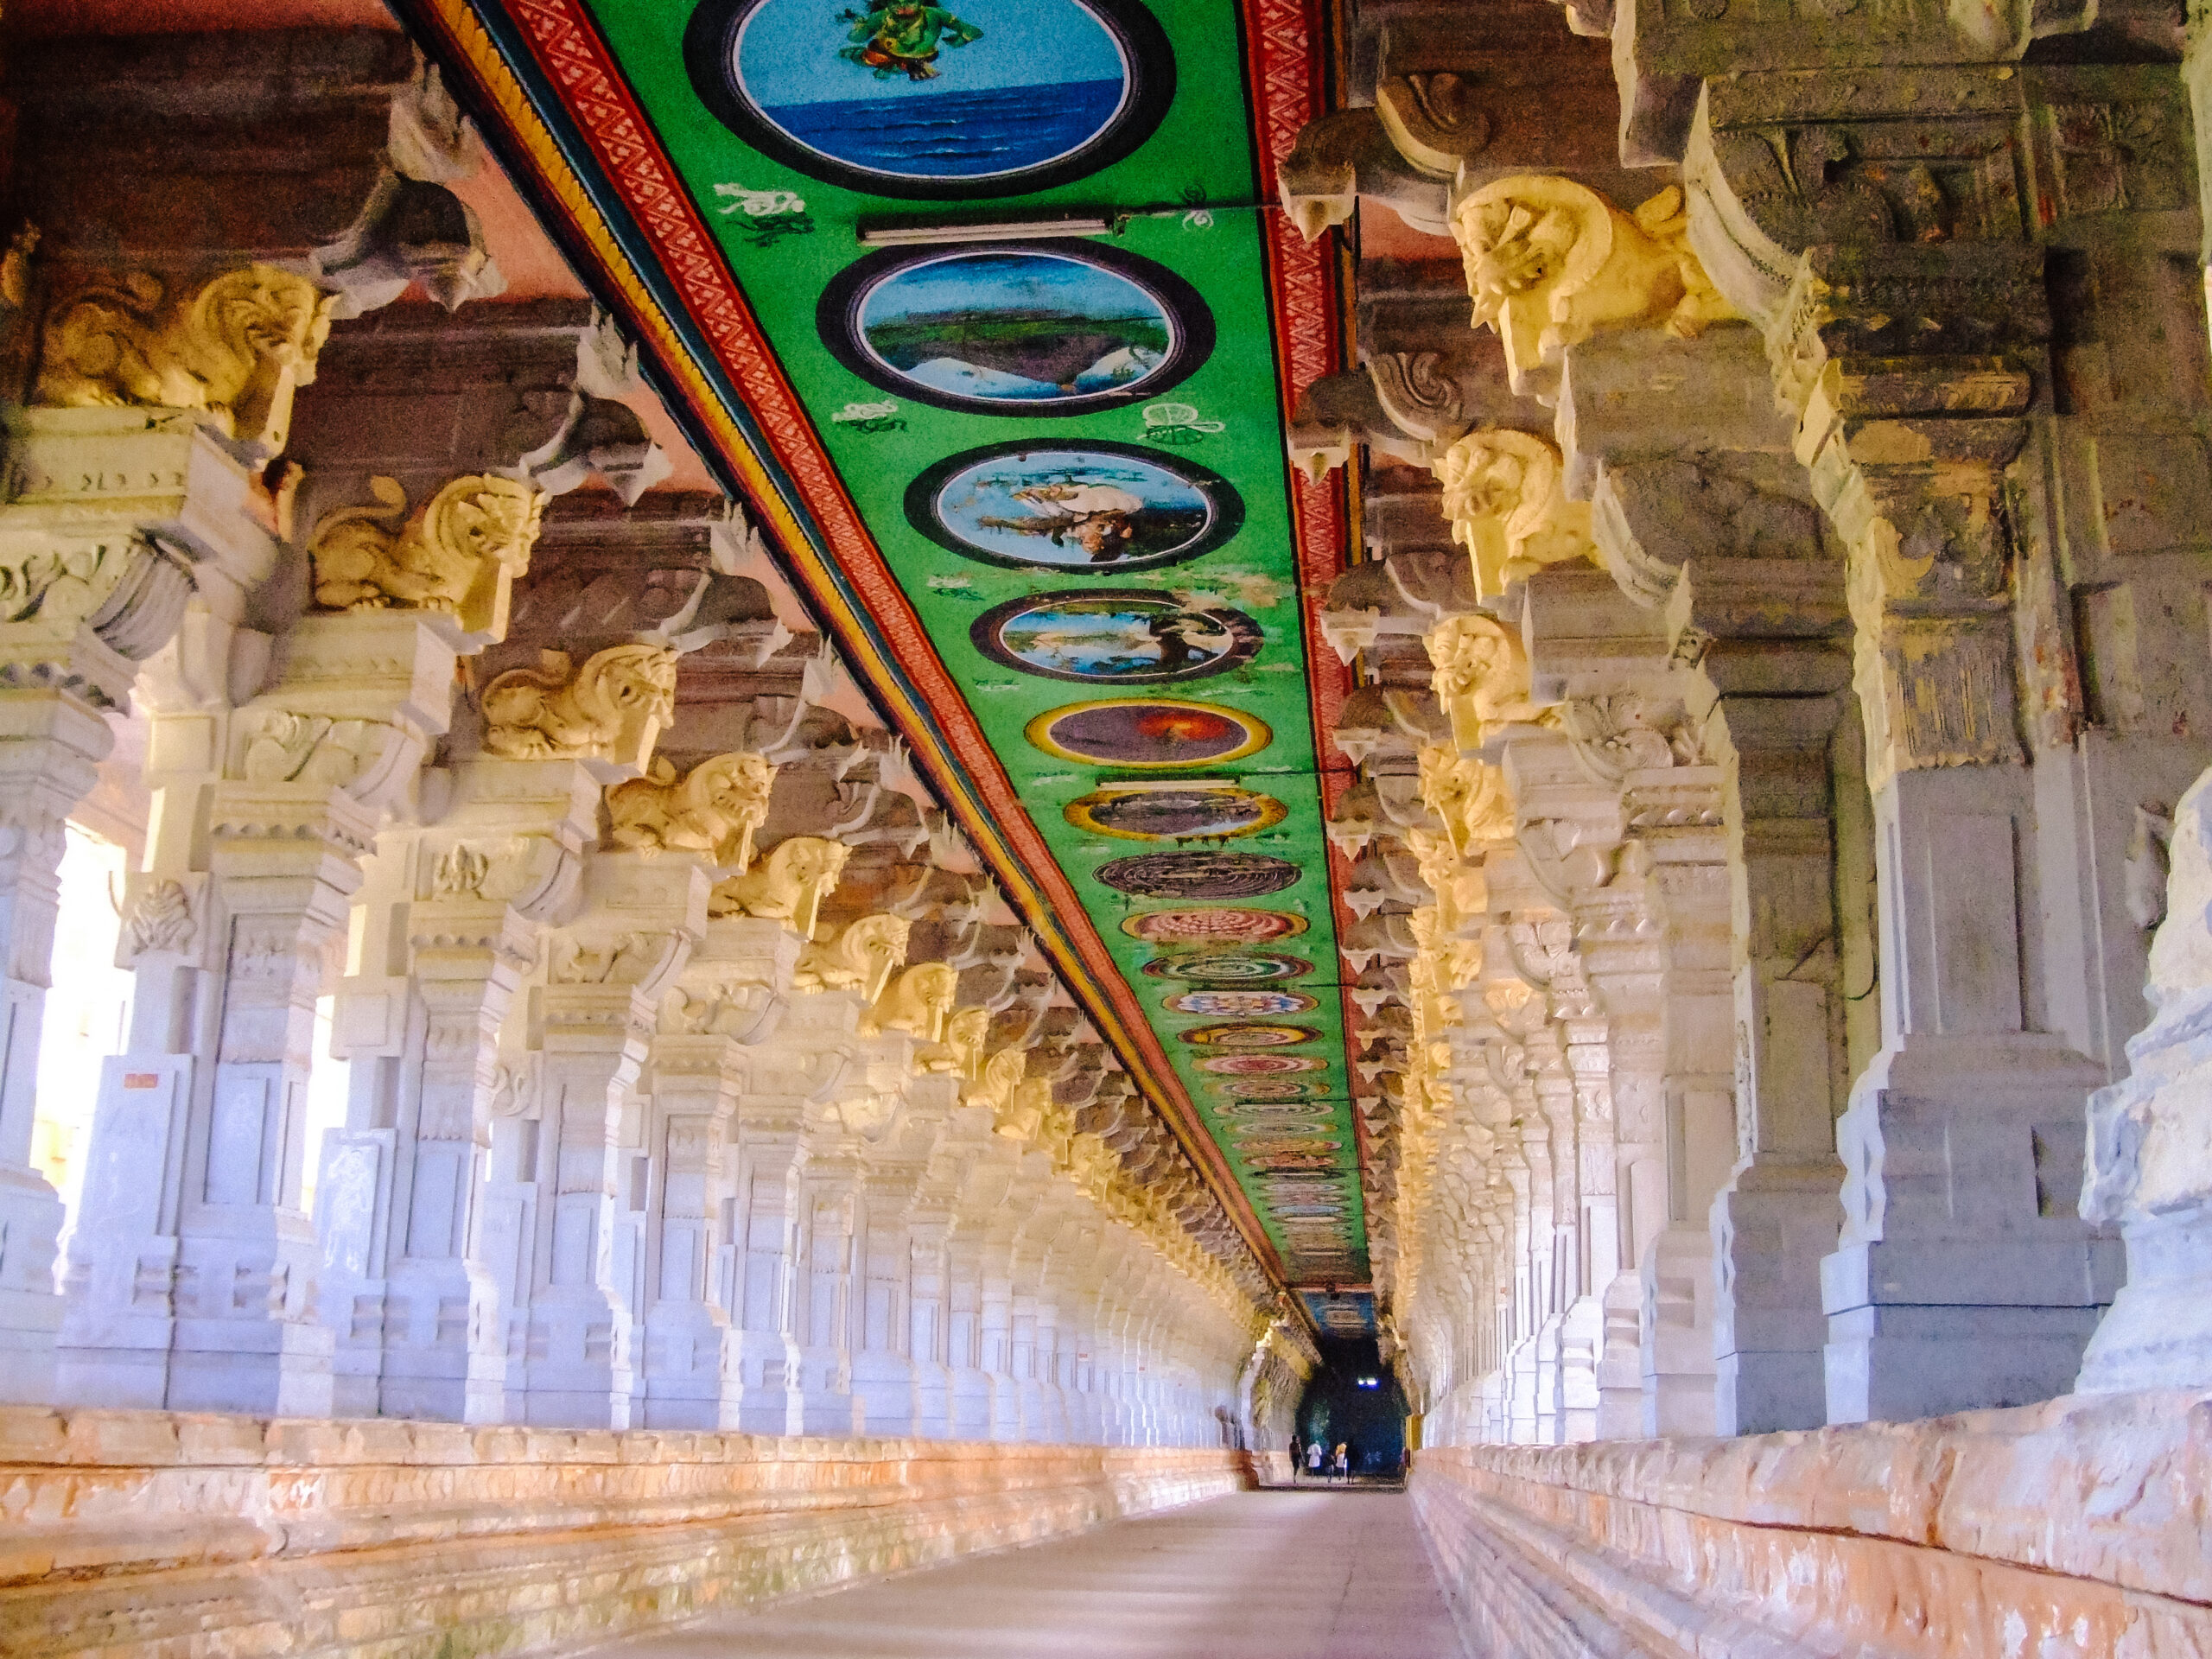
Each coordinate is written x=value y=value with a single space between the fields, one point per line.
x=1252 y=1575
x=811 y=812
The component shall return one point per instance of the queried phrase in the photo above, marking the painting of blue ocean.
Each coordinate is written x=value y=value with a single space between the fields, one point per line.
x=933 y=90
x=953 y=134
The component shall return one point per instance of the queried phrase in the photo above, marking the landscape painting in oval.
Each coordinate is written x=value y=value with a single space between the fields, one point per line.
x=1099 y=508
x=1024 y=328
x=1111 y=635
x=904 y=97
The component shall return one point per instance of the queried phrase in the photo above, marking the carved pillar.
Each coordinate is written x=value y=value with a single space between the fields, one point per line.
x=2148 y=1172
x=770 y=1194
x=1955 y=456
x=597 y=1013
x=687 y=1378
x=830 y=1224
x=1778 y=1214
x=50 y=743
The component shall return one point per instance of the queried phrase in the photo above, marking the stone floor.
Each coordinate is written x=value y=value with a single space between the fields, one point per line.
x=1257 y=1575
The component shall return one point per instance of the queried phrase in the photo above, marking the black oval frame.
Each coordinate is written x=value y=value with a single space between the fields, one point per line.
x=713 y=30
x=1221 y=495
x=836 y=319
x=983 y=634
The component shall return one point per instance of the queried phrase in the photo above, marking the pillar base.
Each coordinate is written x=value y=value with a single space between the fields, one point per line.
x=253 y=1367
x=1965 y=1279
x=30 y=1311
x=1678 y=1369
x=1894 y=1365
x=2158 y=1332
x=1771 y=1225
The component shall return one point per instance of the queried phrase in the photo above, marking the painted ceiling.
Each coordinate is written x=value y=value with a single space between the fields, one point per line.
x=987 y=310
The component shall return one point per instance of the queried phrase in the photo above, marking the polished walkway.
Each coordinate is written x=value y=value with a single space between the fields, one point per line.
x=1258 y=1575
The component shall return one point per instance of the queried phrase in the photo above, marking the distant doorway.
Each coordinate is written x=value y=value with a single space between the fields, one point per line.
x=1352 y=1401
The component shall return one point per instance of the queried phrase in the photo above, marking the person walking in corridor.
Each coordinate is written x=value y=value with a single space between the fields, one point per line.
x=1313 y=1459
x=1344 y=1461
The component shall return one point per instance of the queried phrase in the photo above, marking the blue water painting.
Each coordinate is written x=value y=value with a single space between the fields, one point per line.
x=955 y=135
x=959 y=90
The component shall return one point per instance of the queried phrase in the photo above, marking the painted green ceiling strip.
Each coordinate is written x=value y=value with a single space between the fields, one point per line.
x=510 y=97
x=910 y=613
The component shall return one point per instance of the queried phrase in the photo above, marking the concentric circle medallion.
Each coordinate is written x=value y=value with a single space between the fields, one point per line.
x=1215 y=927
x=1223 y=968
x=1260 y=1065
x=1248 y=1036
x=1241 y=1004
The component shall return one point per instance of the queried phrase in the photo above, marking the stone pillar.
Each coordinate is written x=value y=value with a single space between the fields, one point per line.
x=968 y=1384
x=426 y=1237
x=2148 y=1172
x=281 y=800
x=50 y=743
x=1952 y=1285
x=1677 y=1270
x=929 y=1308
x=689 y=1376
x=770 y=1193
x=830 y=1221
x=1778 y=1216
x=597 y=1016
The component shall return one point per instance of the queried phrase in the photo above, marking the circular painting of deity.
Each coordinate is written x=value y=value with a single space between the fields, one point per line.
x=1260 y=1065
x=1205 y=812
x=1112 y=636
x=979 y=98
x=1248 y=1036
x=1212 y=927
x=1270 y=1093
x=1027 y=328
x=1097 y=507
x=1241 y=1004
x=1221 y=968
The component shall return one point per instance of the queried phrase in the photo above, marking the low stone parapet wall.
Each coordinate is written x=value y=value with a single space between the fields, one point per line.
x=158 y=1536
x=2077 y=1529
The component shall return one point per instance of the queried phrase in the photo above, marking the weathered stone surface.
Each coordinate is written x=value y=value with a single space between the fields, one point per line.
x=146 y=1533
x=2078 y=1527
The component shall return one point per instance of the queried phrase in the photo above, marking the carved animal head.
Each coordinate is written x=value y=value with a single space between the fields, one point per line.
x=916 y=1002
x=871 y=947
x=628 y=692
x=788 y=886
x=249 y=338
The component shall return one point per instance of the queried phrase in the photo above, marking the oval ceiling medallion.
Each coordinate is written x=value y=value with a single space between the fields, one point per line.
x=1109 y=635
x=1221 y=968
x=1145 y=732
x=1241 y=1004
x=985 y=98
x=1199 y=875
x=1027 y=328
x=1248 y=1036
x=1260 y=1065
x=1093 y=507
x=1272 y=1092
x=1174 y=812
x=1212 y=927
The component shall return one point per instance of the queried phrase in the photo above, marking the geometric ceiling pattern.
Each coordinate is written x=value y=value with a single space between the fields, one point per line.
x=988 y=312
